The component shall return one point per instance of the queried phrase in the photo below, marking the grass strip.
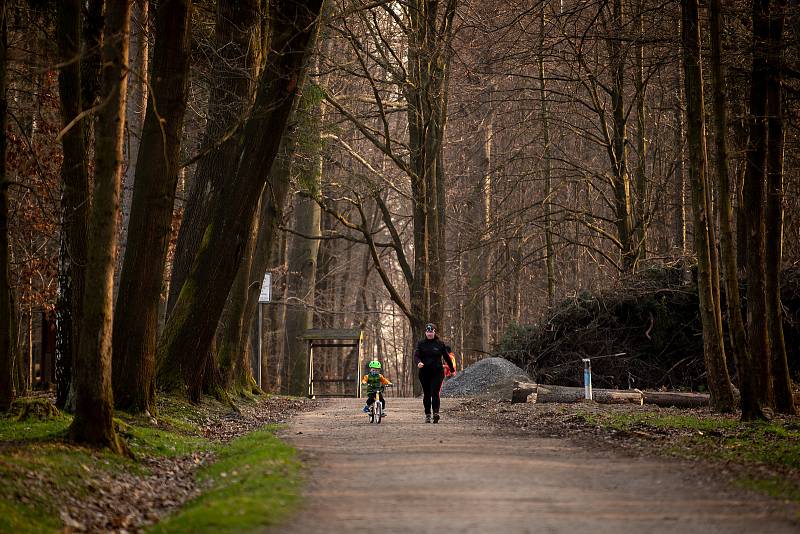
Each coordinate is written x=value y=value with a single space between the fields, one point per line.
x=254 y=483
x=772 y=444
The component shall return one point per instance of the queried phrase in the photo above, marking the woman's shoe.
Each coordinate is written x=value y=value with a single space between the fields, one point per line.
x=427 y=418
x=435 y=418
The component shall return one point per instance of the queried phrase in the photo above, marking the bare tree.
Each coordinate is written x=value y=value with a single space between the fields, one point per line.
x=741 y=352
x=718 y=381
x=754 y=185
x=782 y=383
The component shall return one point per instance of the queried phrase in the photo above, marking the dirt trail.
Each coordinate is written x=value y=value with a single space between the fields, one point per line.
x=495 y=483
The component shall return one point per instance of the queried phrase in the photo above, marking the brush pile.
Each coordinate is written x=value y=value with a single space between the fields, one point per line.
x=645 y=333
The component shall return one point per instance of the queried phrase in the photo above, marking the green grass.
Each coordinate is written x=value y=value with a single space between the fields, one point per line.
x=777 y=487
x=33 y=430
x=18 y=518
x=774 y=445
x=254 y=483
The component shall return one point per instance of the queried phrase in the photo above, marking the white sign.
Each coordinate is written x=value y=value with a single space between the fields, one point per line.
x=266 y=289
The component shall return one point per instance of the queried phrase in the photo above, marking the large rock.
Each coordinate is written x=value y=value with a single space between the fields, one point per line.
x=487 y=377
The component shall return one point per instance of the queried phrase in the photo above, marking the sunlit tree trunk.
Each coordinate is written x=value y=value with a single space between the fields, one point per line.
x=711 y=316
x=141 y=280
x=738 y=336
x=94 y=401
x=134 y=115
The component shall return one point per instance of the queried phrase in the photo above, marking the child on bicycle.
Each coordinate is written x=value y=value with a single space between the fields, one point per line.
x=374 y=380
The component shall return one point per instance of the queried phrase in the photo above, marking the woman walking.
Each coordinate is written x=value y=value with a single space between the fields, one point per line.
x=431 y=355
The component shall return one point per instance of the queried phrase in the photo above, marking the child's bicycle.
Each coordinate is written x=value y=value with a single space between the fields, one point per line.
x=376 y=408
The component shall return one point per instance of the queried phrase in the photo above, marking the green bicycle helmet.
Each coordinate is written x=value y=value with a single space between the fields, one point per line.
x=374 y=364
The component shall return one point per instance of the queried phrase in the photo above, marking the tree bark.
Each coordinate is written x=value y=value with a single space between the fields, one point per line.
x=475 y=315
x=302 y=267
x=429 y=36
x=755 y=179
x=134 y=116
x=751 y=409
x=622 y=181
x=711 y=316
x=94 y=400
x=7 y=332
x=74 y=198
x=546 y=155
x=141 y=280
x=273 y=202
x=641 y=139
x=782 y=384
x=235 y=68
x=680 y=181
x=78 y=206
x=190 y=328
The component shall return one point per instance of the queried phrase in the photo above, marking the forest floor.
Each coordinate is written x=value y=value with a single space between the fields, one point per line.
x=494 y=467
x=198 y=468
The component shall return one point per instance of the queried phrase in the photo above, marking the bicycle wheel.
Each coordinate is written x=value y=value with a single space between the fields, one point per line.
x=378 y=410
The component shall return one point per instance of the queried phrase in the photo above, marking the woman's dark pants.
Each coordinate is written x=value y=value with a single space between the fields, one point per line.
x=431 y=386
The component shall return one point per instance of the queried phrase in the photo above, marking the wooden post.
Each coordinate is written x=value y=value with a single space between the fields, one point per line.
x=310 y=372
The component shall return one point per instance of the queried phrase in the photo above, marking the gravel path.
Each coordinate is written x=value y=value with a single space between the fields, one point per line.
x=460 y=477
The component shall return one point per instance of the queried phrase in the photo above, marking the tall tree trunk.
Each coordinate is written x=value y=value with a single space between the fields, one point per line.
x=781 y=381
x=94 y=400
x=230 y=372
x=477 y=256
x=7 y=333
x=190 y=328
x=622 y=181
x=276 y=318
x=267 y=239
x=302 y=276
x=430 y=35
x=134 y=116
x=546 y=155
x=741 y=352
x=641 y=139
x=235 y=68
x=711 y=316
x=680 y=181
x=74 y=198
x=755 y=179
x=77 y=207
x=136 y=317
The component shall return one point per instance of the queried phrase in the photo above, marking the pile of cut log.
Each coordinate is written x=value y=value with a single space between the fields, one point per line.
x=534 y=393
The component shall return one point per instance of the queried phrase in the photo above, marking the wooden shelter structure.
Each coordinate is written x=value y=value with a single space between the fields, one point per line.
x=334 y=338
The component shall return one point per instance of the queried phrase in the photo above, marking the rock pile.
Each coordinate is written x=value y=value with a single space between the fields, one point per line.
x=487 y=377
